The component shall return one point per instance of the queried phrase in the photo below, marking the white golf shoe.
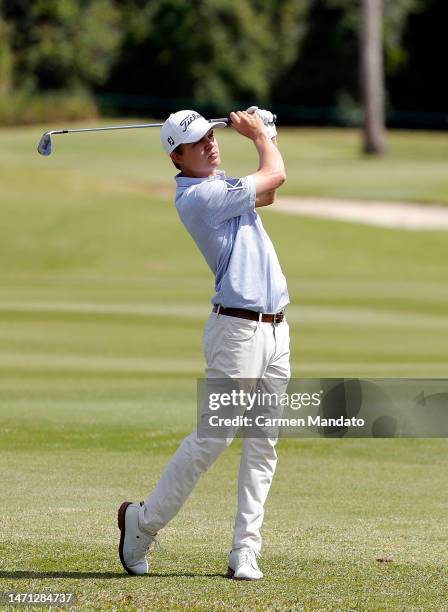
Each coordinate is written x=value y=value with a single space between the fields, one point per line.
x=134 y=543
x=243 y=565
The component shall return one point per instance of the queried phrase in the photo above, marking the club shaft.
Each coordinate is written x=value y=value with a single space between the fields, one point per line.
x=44 y=147
x=126 y=127
x=108 y=127
x=131 y=127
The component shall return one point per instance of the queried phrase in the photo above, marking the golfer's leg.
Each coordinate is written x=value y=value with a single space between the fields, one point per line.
x=259 y=457
x=197 y=452
x=194 y=456
x=257 y=468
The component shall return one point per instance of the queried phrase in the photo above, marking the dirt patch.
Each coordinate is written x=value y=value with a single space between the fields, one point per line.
x=401 y=215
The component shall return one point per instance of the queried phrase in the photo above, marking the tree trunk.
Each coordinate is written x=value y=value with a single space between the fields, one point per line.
x=372 y=77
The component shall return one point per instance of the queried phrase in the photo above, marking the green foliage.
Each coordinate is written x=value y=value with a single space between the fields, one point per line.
x=212 y=52
x=245 y=56
x=62 y=44
x=417 y=84
x=325 y=73
x=396 y=13
x=23 y=108
x=6 y=59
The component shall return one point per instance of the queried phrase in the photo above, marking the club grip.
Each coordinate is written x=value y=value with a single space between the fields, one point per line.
x=229 y=122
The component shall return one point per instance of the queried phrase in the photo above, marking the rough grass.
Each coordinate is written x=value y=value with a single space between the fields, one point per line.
x=102 y=302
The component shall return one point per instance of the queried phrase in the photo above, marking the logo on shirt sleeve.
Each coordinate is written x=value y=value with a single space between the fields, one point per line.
x=234 y=184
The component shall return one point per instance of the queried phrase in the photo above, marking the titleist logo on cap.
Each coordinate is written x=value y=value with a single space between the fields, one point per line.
x=189 y=119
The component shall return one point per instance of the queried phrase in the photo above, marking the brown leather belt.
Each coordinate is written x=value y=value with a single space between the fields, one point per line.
x=251 y=315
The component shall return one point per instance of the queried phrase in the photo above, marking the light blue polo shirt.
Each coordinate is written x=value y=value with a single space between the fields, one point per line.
x=220 y=215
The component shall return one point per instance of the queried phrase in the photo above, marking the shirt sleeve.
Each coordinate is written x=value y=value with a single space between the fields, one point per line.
x=221 y=200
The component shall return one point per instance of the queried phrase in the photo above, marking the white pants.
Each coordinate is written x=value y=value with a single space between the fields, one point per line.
x=235 y=348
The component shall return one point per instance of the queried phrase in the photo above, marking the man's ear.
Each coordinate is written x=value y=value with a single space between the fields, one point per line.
x=176 y=157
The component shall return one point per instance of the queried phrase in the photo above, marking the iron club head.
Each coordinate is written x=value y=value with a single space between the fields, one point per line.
x=44 y=146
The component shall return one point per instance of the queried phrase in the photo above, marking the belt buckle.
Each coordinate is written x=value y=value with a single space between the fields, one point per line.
x=277 y=314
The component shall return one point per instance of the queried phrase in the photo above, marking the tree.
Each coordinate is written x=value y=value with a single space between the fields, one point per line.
x=416 y=84
x=207 y=52
x=372 y=77
x=6 y=60
x=323 y=82
x=61 y=44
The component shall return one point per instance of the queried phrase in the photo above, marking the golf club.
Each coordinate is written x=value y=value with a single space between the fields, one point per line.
x=45 y=143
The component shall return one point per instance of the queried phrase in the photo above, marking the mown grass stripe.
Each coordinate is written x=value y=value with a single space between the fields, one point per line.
x=305 y=314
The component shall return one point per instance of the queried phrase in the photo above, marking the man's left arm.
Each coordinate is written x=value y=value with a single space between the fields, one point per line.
x=269 y=197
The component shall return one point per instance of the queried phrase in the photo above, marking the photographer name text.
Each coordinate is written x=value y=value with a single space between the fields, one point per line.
x=263 y=421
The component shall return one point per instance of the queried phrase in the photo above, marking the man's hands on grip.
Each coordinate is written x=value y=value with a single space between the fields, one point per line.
x=268 y=119
x=248 y=124
x=253 y=121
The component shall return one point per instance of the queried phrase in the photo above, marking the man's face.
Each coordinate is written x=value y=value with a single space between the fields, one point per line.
x=199 y=159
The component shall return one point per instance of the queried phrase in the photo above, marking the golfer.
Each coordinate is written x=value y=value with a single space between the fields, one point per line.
x=246 y=335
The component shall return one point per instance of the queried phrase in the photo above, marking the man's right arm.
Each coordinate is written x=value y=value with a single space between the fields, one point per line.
x=271 y=172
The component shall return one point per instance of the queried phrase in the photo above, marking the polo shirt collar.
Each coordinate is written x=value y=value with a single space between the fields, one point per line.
x=187 y=181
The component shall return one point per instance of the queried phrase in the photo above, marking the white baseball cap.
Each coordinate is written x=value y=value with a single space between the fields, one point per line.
x=185 y=126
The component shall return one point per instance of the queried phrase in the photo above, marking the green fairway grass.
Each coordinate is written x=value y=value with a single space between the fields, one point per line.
x=103 y=297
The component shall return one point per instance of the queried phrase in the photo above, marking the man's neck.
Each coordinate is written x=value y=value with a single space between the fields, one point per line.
x=191 y=174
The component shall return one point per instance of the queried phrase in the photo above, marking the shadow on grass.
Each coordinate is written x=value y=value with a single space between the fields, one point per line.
x=103 y=575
